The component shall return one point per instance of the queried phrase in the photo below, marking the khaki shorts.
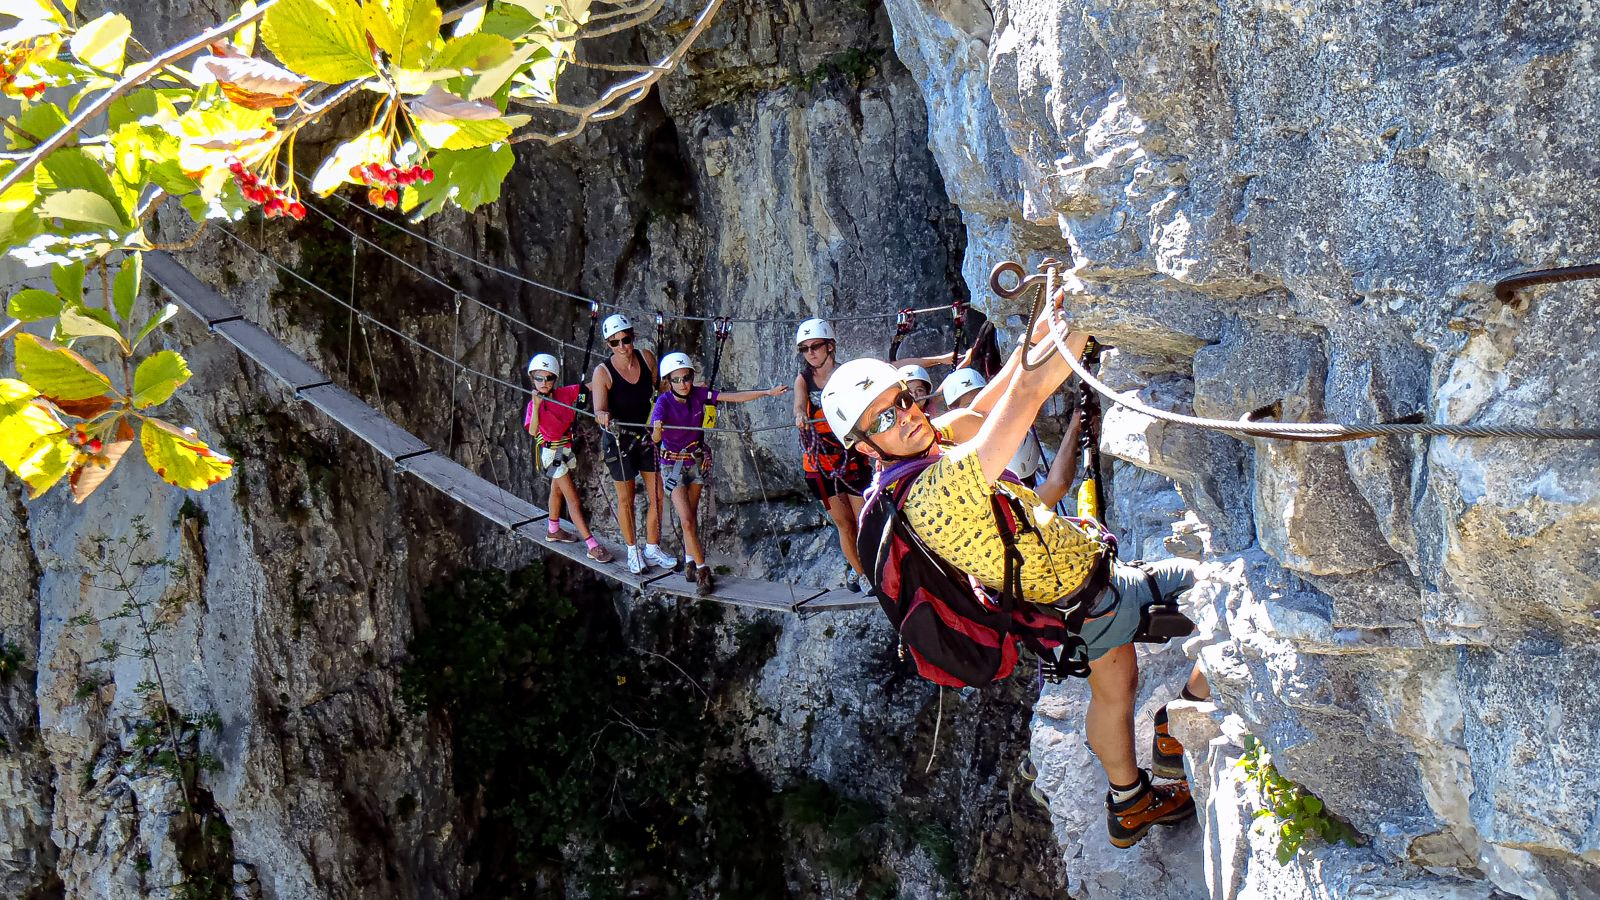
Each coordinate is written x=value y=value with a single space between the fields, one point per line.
x=680 y=472
x=557 y=461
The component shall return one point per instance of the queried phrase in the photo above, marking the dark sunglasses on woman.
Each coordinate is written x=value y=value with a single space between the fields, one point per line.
x=621 y=341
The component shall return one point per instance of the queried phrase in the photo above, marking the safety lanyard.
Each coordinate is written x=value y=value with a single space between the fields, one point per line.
x=958 y=312
x=588 y=350
x=903 y=323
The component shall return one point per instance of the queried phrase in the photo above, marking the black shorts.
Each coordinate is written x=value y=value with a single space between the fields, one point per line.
x=637 y=455
x=852 y=483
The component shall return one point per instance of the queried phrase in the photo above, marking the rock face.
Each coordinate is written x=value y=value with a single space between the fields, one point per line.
x=1307 y=203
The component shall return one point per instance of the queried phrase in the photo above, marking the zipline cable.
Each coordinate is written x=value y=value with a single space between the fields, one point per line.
x=564 y=293
x=365 y=317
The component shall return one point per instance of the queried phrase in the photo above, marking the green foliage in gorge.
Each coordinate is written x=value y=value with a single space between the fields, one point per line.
x=1297 y=812
x=217 y=130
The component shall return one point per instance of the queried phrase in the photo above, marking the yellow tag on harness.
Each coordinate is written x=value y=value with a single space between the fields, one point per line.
x=1088 y=508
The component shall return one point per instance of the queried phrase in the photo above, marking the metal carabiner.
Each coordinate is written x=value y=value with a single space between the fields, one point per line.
x=905 y=321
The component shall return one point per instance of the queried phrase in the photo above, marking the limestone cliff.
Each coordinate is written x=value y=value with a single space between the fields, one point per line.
x=1308 y=202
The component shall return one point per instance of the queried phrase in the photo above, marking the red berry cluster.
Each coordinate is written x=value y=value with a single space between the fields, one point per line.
x=79 y=437
x=385 y=181
x=274 y=201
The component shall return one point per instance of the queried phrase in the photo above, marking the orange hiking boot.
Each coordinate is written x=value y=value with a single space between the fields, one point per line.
x=1166 y=753
x=1162 y=804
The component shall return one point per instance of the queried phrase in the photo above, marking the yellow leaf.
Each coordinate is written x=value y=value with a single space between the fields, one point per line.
x=30 y=9
x=181 y=459
x=407 y=30
x=102 y=43
x=81 y=205
x=55 y=371
x=48 y=463
x=26 y=427
x=77 y=325
x=324 y=40
x=494 y=78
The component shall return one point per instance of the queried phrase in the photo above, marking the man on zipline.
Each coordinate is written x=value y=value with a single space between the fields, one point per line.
x=624 y=388
x=949 y=506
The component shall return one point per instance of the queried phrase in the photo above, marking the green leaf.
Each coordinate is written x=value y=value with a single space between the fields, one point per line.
x=125 y=289
x=181 y=459
x=1285 y=853
x=40 y=120
x=69 y=282
x=156 y=321
x=18 y=228
x=79 y=205
x=407 y=30
x=324 y=40
x=55 y=371
x=32 y=304
x=157 y=377
x=134 y=108
x=470 y=178
x=1312 y=804
x=490 y=82
x=476 y=52
x=458 y=134
x=103 y=42
x=77 y=324
x=509 y=21
x=71 y=169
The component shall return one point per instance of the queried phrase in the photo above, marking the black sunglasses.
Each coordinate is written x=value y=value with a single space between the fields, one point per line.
x=814 y=345
x=541 y=379
x=886 y=420
x=621 y=341
x=681 y=379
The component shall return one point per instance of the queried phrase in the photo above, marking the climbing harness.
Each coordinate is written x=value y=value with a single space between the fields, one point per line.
x=1091 y=502
x=904 y=321
x=1052 y=304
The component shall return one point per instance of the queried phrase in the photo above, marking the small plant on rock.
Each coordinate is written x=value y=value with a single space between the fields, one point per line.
x=1297 y=811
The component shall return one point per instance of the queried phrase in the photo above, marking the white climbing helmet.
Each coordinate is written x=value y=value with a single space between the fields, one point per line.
x=916 y=373
x=544 y=362
x=615 y=324
x=814 y=330
x=1027 y=458
x=672 y=362
x=960 y=383
x=852 y=389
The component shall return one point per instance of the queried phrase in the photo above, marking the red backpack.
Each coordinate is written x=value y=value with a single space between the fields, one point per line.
x=958 y=633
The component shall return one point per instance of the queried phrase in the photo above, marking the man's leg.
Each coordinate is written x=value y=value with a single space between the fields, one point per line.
x=1114 y=683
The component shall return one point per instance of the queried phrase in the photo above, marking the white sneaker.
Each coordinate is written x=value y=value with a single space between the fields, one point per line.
x=852 y=581
x=636 y=563
x=655 y=557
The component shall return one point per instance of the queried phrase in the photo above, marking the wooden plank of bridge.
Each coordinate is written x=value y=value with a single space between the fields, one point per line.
x=775 y=596
x=617 y=570
x=365 y=422
x=255 y=343
x=500 y=507
x=190 y=292
x=838 y=600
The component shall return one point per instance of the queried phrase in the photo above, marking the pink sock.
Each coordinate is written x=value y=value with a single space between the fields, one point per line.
x=593 y=544
x=555 y=525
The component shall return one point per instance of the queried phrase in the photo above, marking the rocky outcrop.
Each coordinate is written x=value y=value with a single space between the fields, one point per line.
x=1308 y=204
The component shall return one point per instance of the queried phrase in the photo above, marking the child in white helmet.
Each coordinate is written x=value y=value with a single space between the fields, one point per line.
x=680 y=452
x=837 y=476
x=550 y=417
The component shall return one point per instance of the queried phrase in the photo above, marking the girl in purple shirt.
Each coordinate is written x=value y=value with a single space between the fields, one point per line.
x=681 y=454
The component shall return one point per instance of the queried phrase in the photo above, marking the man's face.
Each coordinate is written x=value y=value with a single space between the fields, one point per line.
x=910 y=435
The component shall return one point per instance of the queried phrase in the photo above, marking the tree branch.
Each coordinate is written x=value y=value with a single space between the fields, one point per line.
x=650 y=10
x=628 y=92
x=133 y=79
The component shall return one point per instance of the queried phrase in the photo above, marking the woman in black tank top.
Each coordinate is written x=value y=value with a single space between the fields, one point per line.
x=628 y=451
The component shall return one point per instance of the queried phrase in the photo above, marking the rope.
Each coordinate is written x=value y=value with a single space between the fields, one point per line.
x=1505 y=290
x=761 y=482
x=1316 y=432
x=564 y=293
x=364 y=317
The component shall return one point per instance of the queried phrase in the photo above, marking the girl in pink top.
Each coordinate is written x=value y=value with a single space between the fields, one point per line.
x=551 y=427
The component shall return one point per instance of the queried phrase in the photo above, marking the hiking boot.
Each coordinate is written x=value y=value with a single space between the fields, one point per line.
x=655 y=557
x=852 y=581
x=1166 y=753
x=1038 y=796
x=600 y=554
x=703 y=582
x=561 y=536
x=1161 y=804
x=635 y=560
